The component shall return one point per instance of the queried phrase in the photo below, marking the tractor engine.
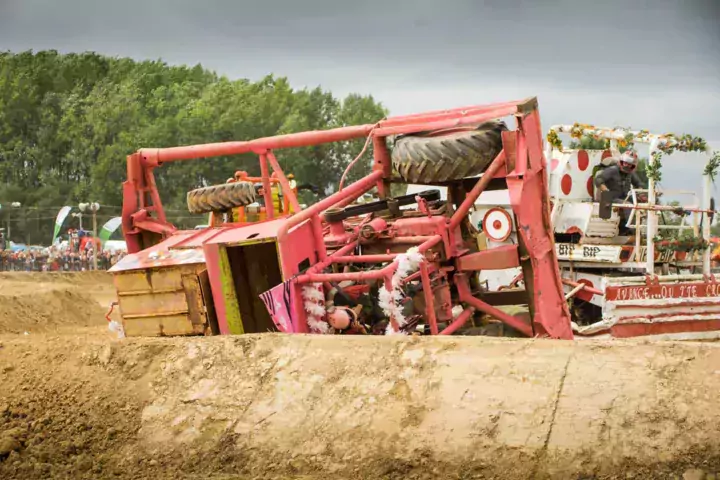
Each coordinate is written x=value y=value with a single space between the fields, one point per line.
x=386 y=230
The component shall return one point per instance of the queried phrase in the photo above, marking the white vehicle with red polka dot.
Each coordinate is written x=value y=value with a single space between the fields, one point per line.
x=620 y=280
x=620 y=284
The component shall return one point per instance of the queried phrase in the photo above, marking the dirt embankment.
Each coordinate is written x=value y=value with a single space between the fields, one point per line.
x=278 y=406
x=76 y=402
x=42 y=302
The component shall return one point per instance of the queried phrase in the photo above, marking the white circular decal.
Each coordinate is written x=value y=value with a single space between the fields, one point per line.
x=497 y=225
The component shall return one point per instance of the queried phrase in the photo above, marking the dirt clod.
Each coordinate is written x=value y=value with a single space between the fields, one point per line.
x=694 y=474
x=9 y=444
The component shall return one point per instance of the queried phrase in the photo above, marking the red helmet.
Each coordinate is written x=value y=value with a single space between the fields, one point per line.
x=628 y=161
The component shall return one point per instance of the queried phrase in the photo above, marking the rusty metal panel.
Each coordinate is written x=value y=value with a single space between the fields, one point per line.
x=669 y=309
x=210 y=312
x=131 y=281
x=166 y=301
x=163 y=255
x=509 y=140
x=194 y=300
x=151 y=302
x=165 y=279
x=160 y=325
x=498 y=258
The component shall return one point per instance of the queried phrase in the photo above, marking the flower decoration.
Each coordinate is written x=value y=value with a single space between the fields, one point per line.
x=554 y=140
x=711 y=169
x=625 y=137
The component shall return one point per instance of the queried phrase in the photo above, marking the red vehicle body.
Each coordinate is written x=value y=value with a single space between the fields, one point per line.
x=425 y=255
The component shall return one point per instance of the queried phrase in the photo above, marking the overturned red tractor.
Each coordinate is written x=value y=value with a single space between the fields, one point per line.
x=396 y=265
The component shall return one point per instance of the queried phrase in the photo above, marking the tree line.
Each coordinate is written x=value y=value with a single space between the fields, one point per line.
x=68 y=121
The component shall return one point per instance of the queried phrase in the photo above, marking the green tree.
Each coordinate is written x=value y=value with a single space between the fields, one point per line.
x=67 y=123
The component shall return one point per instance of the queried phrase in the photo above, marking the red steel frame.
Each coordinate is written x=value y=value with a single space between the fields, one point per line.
x=521 y=163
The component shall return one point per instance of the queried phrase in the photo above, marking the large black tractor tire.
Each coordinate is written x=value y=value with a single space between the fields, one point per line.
x=221 y=198
x=428 y=158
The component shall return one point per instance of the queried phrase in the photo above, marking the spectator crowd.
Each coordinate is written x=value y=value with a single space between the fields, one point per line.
x=63 y=257
x=52 y=260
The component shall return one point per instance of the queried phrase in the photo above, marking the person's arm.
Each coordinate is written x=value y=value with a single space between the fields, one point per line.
x=601 y=180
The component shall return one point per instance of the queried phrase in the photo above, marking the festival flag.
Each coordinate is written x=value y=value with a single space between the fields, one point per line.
x=109 y=228
x=61 y=216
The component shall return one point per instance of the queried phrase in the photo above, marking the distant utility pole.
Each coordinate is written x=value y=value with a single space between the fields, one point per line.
x=93 y=208
x=79 y=217
x=9 y=217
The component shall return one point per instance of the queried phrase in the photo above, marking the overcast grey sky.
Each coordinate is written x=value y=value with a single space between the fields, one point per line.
x=651 y=64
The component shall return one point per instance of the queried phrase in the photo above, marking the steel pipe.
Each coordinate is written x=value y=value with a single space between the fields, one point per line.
x=588 y=288
x=284 y=183
x=467 y=297
x=429 y=298
x=158 y=156
x=267 y=192
x=314 y=210
x=452 y=121
x=380 y=258
x=448 y=113
x=479 y=187
x=459 y=321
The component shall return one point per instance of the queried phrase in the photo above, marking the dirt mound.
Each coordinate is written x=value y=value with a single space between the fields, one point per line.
x=275 y=406
x=72 y=278
x=41 y=302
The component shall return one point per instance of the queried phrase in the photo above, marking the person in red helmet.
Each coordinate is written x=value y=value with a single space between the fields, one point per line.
x=619 y=179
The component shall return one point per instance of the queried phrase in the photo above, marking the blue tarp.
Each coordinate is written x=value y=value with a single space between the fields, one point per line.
x=17 y=247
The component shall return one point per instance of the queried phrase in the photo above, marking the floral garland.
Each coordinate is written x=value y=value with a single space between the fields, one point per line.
x=712 y=167
x=622 y=135
x=554 y=140
x=652 y=169
x=667 y=144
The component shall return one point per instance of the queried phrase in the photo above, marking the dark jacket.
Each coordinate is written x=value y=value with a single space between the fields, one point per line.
x=617 y=181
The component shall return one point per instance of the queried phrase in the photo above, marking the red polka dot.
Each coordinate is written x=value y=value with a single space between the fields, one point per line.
x=606 y=154
x=583 y=160
x=553 y=164
x=591 y=187
x=497 y=224
x=566 y=184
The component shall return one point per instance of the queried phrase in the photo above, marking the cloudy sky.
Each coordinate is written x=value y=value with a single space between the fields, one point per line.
x=651 y=64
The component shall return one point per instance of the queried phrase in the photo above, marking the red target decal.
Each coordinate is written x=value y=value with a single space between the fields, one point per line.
x=497 y=224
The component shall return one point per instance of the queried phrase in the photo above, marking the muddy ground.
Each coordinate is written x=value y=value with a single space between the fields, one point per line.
x=77 y=402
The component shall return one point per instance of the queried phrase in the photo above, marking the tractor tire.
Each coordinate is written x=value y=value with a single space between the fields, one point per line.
x=428 y=158
x=221 y=198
